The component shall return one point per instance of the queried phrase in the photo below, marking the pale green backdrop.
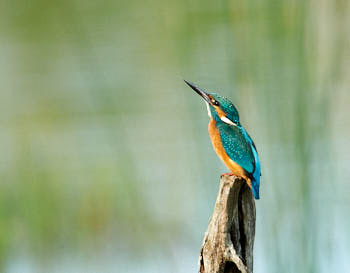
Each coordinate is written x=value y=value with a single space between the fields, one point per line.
x=106 y=164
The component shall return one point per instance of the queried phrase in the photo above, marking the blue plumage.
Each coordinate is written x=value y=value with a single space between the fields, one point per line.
x=257 y=172
x=236 y=145
x=241 y=149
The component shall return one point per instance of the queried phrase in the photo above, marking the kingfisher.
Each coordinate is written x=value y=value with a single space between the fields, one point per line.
x=230 y=140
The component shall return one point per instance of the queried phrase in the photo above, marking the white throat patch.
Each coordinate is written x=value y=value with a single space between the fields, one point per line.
x=208 y=108
x=228 y=121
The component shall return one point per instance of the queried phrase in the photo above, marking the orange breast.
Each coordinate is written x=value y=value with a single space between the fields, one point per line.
x=220 y=151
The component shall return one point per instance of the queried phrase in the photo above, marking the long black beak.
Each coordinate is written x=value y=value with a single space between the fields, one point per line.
x=199 y=91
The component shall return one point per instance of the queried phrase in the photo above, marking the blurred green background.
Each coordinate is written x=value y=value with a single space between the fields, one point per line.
x=106 y=164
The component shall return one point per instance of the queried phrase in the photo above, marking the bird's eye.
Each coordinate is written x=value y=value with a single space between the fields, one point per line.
x=215 y=102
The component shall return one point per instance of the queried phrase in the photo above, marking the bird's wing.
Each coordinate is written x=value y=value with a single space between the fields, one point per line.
x=256 y=157
x=238 y=146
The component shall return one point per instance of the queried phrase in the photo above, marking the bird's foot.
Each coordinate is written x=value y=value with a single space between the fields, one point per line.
x=229 y=174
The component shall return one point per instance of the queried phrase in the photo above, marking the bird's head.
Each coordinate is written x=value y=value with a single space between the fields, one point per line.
x=219 y=107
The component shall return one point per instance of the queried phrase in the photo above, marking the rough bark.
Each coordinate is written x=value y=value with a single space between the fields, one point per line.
x=228 y=242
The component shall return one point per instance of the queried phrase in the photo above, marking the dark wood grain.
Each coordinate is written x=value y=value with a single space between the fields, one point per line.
x=228 y=242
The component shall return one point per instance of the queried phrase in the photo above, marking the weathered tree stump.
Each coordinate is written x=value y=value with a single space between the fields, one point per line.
x=228 y=242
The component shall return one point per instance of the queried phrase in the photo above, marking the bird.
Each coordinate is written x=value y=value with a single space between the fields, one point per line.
x=230 y=140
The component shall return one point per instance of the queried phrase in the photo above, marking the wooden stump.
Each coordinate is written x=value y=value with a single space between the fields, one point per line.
x=228 y=242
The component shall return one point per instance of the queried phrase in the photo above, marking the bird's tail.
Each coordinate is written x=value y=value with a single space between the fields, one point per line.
x=255 y=188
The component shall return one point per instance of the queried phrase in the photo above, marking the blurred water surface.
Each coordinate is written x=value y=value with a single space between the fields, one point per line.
x=106 y=164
